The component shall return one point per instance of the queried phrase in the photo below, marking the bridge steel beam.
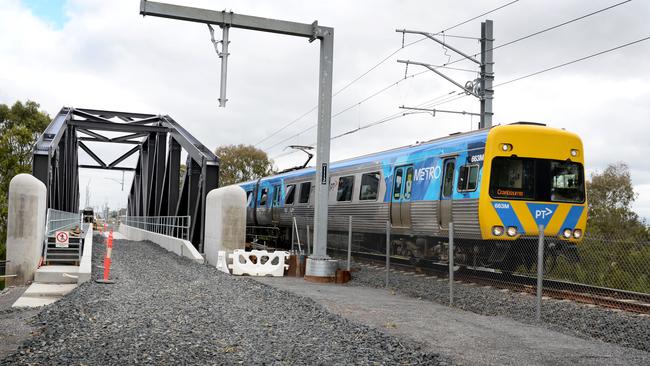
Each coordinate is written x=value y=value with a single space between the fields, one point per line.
x=159 y=142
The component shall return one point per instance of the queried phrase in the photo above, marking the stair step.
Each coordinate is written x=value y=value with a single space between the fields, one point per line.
x=54 y=274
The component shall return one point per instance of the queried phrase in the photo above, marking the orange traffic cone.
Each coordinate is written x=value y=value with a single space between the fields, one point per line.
x=107 y=261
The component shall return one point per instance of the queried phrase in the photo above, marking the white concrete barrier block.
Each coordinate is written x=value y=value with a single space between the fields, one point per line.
x=225 y=221
x=264 y=264
x=25 y=227
x=222 y=262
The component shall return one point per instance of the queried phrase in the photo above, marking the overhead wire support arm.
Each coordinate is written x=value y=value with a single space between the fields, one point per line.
x=434 y=111
x=433 y=68
x=446 y=45
x=481 y=88
x=223 y=55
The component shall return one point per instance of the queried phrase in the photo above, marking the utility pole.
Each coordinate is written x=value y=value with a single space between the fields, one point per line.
x=480 y=88
x=118 y=181
x=88 y=194
x=318 y=264
x=487 y=73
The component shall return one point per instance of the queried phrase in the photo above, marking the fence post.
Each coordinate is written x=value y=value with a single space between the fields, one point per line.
x=308 y=242
x=451 y=264
x=293 y=233
x=295 y=225
x=349 y=241
x=387 y=251
x=540 y=272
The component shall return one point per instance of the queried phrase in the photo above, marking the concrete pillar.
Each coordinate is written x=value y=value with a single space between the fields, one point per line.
x=225 y=221
x=25 y=227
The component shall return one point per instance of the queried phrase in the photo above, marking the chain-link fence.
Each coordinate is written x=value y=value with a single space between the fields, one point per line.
x=176 y=226
x=607 y=270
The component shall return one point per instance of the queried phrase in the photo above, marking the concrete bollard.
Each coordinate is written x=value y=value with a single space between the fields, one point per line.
x=225 y=222
x=25 y=227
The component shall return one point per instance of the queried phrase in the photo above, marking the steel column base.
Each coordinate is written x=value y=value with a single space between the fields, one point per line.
x=321 y=270
x=106 y=282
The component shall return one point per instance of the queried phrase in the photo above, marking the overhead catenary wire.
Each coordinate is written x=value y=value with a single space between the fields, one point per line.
x=460 y=95
x=541 y=31
x=383 y=60
x=574 y=61
x=279 y=143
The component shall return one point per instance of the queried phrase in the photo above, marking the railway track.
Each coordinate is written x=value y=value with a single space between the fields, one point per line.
x=563 y=290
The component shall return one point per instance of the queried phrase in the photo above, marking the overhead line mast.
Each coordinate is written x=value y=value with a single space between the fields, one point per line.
x=318 y=264
x=480 y=88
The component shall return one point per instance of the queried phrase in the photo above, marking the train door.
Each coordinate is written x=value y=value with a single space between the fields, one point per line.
x=275 y=204
x=400 y=207
x=446 y=192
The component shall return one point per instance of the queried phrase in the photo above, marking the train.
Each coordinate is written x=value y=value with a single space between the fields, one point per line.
x=498 y=186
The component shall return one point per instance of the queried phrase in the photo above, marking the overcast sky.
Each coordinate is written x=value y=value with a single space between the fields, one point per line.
x=104 y=55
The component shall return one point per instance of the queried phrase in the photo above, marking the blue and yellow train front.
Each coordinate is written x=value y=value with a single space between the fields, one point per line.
x=532 y=175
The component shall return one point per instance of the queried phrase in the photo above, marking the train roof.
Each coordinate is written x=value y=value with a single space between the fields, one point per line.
x=458 y=137
x=387 y=154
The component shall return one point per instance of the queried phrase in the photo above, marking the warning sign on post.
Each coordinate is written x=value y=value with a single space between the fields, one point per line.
x=62 y=239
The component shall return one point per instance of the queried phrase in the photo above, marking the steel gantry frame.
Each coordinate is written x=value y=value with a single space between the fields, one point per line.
x=311 y=32
x=158 y=140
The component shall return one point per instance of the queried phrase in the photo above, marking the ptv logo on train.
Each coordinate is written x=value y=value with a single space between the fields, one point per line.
x=542 y=212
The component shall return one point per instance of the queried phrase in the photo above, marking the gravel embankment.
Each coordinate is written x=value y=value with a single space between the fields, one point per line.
x=164 y=309
x=15 y=323
x=622 y=328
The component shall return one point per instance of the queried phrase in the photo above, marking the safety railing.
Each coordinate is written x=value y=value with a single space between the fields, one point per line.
x=176 y=226
x=63 y=242
x=61 y=220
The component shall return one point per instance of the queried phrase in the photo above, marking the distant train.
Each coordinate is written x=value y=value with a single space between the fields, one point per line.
x=496 y=185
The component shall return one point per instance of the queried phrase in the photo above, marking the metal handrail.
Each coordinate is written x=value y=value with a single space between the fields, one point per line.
x=176 y=226
x=58 y=220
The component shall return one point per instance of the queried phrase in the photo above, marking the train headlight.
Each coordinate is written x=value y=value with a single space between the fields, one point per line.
x=574 y=152
x=506 y=147
x=577 y=233
x=497 y=230
x=566 y=233
x=512 y=231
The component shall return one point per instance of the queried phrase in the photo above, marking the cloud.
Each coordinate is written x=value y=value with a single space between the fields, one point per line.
x=107 y=56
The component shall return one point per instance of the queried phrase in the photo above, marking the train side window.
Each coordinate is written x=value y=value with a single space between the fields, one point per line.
x=369 y=186
x=344 y=192
x=264 y=197
x=397 y=187
x=468 y=178
x=290 y=194
x=276 y=196
x=448 y=181
x=305 y=188
x=409 y=183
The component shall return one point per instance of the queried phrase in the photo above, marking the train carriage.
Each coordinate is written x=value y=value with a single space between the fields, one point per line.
x=496 y=185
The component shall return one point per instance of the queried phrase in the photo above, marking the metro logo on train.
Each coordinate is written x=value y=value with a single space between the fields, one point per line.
x=496 y=184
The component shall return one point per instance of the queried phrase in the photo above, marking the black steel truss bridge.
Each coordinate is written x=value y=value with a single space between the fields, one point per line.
x=157 y=188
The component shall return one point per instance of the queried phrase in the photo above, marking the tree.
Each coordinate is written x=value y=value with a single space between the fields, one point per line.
x=610 y=195
x=20 y=126
x=239 y=163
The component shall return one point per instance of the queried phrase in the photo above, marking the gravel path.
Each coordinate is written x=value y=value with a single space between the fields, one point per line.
x=15 y=324
x=621 y=328
x=164 y=309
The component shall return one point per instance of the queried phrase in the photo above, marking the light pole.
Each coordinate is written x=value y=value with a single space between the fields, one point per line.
x=118 y=181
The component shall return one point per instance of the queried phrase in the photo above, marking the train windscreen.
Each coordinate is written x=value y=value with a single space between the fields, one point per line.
x=537 y=180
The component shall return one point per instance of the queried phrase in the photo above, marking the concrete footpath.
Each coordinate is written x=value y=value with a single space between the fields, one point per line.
x=467 y=338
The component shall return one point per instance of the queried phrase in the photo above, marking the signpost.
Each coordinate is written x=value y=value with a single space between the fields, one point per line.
x=62 y=239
